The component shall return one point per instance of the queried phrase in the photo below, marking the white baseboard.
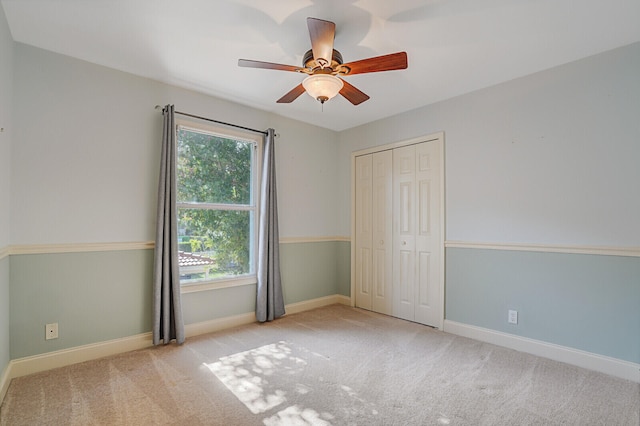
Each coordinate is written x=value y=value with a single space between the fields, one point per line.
x=211 y=326
x=307 y=305
x=612 y=366
x=47 y=361
x=196 y=329
x=5 y=379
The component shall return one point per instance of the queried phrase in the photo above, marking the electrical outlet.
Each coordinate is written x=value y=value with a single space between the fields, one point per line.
x=51 y=331
x=513 y=317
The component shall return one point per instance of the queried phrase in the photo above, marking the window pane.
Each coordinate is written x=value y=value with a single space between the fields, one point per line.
x=214 y=244
x=213 y=169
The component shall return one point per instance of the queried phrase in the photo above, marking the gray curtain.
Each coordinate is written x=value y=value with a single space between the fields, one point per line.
x=270 y=302
x=167 y=308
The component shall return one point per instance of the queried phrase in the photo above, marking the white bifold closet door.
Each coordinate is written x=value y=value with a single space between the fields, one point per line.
x=397 y=232
x=374 y=232
x=416 y=240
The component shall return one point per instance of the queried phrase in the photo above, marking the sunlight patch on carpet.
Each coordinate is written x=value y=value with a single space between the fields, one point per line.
x=258 y=378
x=296 y=416
x=246 y=374
x=443 y=420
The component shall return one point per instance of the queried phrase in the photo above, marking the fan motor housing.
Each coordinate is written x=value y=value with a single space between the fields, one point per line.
x=310 y=64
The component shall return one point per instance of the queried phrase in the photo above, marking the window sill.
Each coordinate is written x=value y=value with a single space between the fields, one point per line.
x=218 y=284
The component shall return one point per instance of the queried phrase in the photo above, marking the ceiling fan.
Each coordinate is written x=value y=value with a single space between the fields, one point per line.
x=323 y=65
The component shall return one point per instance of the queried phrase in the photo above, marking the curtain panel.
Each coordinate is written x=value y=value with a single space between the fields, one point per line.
x=270 y=301
x=167 y=307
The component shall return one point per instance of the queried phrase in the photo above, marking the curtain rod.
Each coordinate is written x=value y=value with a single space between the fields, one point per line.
x=218 y=122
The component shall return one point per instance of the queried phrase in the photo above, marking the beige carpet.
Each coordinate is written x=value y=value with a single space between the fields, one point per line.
x=330 y=366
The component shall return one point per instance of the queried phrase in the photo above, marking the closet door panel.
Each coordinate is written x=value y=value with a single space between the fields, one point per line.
x=364 y=228
x=382 y=300
x=427 y=310
x=404 y=199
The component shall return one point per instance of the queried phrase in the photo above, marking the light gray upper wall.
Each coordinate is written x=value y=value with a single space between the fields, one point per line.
x=307 y=178
x=548 y=158
x=6 y=77
x=87 y=144
x=6 y=97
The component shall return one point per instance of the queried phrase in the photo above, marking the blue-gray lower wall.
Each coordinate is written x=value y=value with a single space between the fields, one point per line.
x=93 y=296
x=5 y=355
x=586 y=302
x=313 y=270
x=99 y=296
x=220 y=303
x=344 y=269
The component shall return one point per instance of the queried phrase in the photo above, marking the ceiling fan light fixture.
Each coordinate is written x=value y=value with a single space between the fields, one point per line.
x=322 y=64
x=322 y=87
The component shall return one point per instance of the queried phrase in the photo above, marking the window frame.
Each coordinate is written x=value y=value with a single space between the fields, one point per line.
x=257 y=141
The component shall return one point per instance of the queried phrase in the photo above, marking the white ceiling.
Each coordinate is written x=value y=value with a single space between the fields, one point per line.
x=453 y=46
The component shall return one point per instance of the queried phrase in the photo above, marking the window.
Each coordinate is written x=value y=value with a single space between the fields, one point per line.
x=217 y=179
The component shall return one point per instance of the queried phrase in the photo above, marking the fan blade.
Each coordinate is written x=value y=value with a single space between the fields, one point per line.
x=352 y=94
x=322 y=34
x=394 y=61
x=292 y=95
x=268 y=65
